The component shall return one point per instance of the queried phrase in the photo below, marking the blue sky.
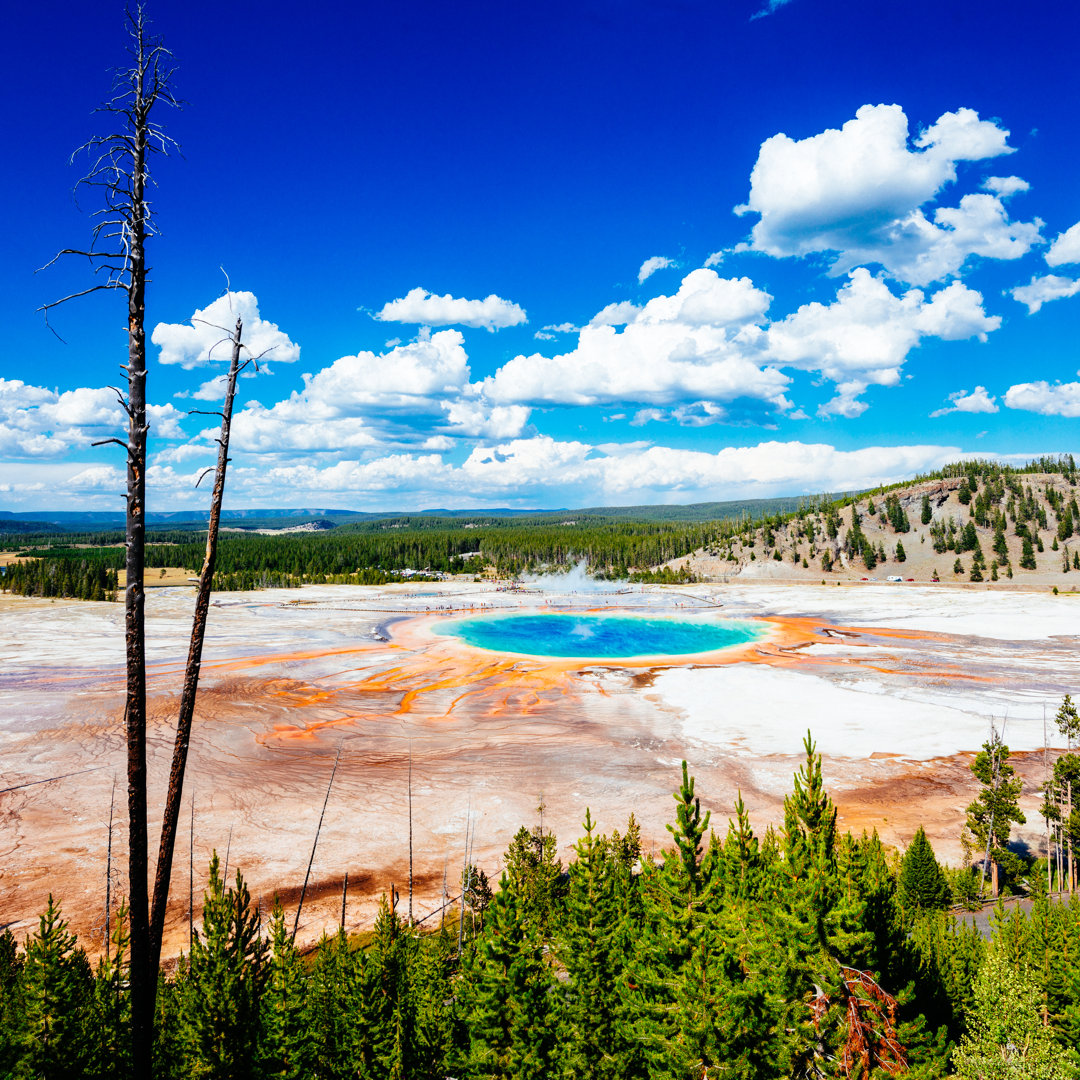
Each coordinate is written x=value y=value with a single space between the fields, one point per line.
x=607 y=252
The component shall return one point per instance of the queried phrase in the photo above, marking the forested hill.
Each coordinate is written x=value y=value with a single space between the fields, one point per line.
x=975 y=521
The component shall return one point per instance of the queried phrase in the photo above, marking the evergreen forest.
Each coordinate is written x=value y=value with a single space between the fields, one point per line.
x=802 y=952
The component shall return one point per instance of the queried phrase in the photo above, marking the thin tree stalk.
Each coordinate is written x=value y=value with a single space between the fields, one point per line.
x=1046 y=794
x=171 y=817
x=108 y=873
x=1068 y=835
x=311 y=861
x=465 y=877
x=191 y=877
x=410 y=838
x=228 y=849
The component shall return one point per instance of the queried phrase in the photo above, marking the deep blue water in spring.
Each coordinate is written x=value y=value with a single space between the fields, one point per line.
x=601 y=636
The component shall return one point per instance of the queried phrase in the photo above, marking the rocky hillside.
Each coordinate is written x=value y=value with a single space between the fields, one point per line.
x=976 y=522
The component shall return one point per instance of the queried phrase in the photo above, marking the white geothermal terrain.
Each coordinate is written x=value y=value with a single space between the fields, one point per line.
x=897 y=683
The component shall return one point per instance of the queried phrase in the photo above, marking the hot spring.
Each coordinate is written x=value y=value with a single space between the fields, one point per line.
x=609 y=637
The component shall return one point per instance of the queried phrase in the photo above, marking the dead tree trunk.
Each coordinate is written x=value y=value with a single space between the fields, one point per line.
x=120 y=171
x=143 y=975
x=171 y=819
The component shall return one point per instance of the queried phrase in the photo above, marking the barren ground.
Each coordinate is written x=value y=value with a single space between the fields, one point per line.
x=897 y=683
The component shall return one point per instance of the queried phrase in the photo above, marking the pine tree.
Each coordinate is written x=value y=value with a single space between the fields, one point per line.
x=1001 y=545
x=704 y=966
x=170 y=1046
x=339 y=1011
x=112 y=1006
x=822 y=921
x=1027 y=555
x=57 y=996
x=946 y=956
x=534 y=871
x=749 y=1025
x=675 y=941
x=1068 y=720
x=591 y=950
x=390 y=1017
x=11 y=1005
x=741 y=867
x=508 y=996
x=432 y=991
x=286 y=1048
x=810 y=835
x=927 y=513
x=225 y=980
x=996 y=808
x=922 y=881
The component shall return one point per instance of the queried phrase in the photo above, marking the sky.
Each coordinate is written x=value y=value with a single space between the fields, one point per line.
x=607 y=252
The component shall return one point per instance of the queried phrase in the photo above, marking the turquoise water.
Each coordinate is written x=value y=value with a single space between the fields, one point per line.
x=601 y=636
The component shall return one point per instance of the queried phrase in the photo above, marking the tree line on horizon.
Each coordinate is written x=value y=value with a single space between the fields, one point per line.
x=376 y=553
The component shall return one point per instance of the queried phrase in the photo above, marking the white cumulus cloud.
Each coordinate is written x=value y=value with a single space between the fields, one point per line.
x=203 y=340
x=771 y=7
x=1004 y=186
x=1057 y=399
x=707 y=354
x=36 y=422
x=516 y=472
x=1041 y=290
x=428 y=309
x=859 y=192
x=1065 y=248
x=650 y=266
x=615 y=314
x=407 y=395
x=978 y=401
x=863 y=338
x=695 y=345
x=549 y=333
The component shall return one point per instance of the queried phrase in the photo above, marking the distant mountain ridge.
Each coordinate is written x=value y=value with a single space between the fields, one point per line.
x=93 y=520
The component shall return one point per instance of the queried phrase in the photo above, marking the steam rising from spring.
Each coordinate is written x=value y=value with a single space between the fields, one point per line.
x=574 y=580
